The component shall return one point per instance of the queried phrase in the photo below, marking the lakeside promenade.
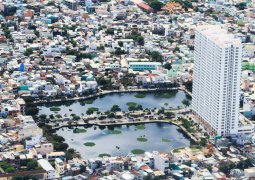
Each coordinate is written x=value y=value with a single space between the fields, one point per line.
x=125 y=122
x=102 y=93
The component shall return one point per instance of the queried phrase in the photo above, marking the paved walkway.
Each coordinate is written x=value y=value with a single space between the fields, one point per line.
x=107 y=92
x=123 y=121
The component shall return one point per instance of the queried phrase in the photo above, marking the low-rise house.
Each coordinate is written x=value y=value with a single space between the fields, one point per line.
x=112 y=165
x=33 y=141
x=53 y=155
x=44 y=149
x=248 y=50
x=150 y=78
x=142 y=66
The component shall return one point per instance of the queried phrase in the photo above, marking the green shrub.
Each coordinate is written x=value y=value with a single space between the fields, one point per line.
x=55 y=109
x=165 y=140
x=142 y=139
x=137 y=151
x=140 y=127
x=89 y=144
x=78 y=130
x=140 y=95
x=115 y=132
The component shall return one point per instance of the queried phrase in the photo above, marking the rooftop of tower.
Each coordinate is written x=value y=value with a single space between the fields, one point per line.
x=219 y=35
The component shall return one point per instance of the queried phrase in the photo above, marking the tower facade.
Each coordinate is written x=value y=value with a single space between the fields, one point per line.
x=216 y=80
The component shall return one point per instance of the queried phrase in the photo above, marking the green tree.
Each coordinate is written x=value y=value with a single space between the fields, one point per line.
x=130 y=75
x=185 y=102
x=28 y=52
x=42 y=116
x=51 y=116
x=185 y=4
x=140 y=40
x=169 y=114
x=6 y=31
x=63 y=146
x=91 y=110
x=58 y=138
x=244 y=164
x=226 y=166
x=71 y=150
x=7 y=167
x=161 y=111
x=109 y=31
x=156 y=5
x=102 y=27
x=120 y=43
x=139 y=107
x=74 y=43
x=76 y=118
x=51 y=3
x=37 y=33
x=176 y=49
x=188 y=85
x=24 y=177
x=119 y=51
x=115 y=108
x=31 y=165
x=168 y=66
x=111 y=115
x=101 y=47
x=156 y=56
x=31 y=110
x=82 y=168
x=186 y=124
x=59 y=116
x=70 y=154
x=10 y=170
x=241 y=5
x=203 y=142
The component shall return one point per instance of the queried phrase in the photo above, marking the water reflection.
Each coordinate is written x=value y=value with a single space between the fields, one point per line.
x=106 y=142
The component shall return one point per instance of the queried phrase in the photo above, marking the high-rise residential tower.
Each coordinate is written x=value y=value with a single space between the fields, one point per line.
x=216 y=80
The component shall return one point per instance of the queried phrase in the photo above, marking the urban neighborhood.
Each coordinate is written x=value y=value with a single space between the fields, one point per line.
x=127 y=89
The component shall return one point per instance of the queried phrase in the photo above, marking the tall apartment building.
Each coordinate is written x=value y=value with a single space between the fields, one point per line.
x=216 y=80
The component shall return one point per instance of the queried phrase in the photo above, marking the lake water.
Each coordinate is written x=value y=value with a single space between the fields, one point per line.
x=123 y=143
x=104 y=103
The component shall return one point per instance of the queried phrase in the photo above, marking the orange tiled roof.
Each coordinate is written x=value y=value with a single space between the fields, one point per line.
x=144 y=6
x=173 y=7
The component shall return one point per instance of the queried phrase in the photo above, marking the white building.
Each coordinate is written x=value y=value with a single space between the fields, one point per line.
x=216 y=84
x=59 y=165
x=161 y=161
x=51 y=173
x=29 y=130
x=249 y=173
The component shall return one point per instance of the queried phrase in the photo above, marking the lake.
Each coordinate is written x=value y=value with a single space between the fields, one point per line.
x=151 y=100
x=161 y=137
